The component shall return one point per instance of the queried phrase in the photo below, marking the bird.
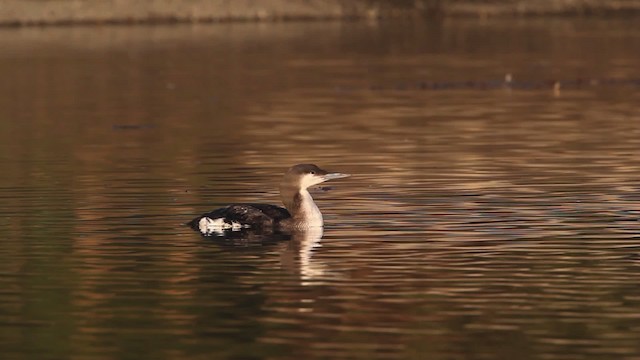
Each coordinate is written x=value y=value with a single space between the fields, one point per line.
x=300 y=212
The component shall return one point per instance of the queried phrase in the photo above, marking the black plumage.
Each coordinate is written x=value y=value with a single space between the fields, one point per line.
x=259 y=216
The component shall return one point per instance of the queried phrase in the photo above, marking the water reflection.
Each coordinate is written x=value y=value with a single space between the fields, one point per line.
x=482 y=223
x=296 y=248
x=297 y=256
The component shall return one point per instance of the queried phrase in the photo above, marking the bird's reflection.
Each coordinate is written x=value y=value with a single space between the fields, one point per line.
x=297 y=256
x=250 y=238
x=296 y=248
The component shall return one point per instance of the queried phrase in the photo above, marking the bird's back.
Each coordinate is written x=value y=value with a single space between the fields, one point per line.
x=240 y=216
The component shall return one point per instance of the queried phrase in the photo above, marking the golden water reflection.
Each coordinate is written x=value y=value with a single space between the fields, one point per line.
x=492 y=223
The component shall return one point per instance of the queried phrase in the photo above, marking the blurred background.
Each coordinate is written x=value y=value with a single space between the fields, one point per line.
x=492 y=212
x=16 y=12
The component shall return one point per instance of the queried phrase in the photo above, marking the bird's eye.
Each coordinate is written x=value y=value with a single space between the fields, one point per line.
x=312 y=172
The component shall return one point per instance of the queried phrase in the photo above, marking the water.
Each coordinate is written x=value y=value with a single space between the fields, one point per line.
x=482 y=221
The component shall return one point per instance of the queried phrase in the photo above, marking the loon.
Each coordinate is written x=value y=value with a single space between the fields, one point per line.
x=299 y=213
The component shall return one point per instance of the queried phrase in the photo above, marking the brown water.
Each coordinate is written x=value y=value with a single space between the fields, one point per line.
x=482 y=221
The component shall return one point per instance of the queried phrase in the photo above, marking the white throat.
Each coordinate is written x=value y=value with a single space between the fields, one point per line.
x=311 y=215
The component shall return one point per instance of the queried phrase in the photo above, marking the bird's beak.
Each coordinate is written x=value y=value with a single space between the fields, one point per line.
x=331 y=176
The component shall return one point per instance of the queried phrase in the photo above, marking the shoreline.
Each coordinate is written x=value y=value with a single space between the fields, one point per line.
x=15 y=13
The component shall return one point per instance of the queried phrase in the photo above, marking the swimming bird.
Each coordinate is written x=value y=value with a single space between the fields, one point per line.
x=300 y=211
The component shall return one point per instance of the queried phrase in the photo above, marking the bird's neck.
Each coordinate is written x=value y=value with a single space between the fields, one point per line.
x=303 y=209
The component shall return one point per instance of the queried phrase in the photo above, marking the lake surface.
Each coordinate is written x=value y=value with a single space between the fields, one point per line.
x=483 y=220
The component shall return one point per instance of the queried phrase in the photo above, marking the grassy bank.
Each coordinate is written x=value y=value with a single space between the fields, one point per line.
x=29 y=12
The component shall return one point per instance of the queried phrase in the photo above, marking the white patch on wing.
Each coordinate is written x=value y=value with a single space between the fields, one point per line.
x=210 y=226
x=236 y=226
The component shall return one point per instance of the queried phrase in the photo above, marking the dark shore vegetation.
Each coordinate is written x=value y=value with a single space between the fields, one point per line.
x=42 y=12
